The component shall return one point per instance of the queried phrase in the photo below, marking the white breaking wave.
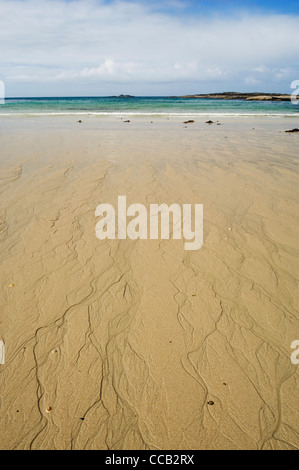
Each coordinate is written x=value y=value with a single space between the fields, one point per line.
x=192 y=114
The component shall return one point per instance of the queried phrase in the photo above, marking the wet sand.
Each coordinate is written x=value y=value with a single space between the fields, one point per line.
x=122 y=344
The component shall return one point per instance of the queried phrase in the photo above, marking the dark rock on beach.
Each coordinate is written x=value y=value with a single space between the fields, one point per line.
x=293 y=130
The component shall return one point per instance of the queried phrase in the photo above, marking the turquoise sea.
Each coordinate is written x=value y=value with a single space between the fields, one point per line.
x=145 y=106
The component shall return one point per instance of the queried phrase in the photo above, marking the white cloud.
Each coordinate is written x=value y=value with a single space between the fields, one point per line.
x=251 y=81
x=90 y=41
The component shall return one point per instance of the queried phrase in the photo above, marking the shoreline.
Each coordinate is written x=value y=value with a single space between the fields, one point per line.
x=4 y=116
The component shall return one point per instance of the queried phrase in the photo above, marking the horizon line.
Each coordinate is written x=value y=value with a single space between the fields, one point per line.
x=126 y=95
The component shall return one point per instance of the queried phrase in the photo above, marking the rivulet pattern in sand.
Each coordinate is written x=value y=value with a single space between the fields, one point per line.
x=122 y=344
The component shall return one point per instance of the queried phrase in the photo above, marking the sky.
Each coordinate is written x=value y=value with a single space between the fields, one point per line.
x=147 y=48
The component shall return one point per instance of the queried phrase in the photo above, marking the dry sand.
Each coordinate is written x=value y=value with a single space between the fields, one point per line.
x=122 y=344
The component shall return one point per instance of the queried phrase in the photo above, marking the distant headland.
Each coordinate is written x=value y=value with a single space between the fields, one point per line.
x=240 y=96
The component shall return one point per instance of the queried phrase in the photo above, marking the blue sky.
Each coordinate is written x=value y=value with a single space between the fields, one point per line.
x=224 y=7
x=218 y=7
x=169 y=47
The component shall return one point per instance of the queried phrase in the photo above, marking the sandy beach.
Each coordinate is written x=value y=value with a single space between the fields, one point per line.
x=123 y=344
